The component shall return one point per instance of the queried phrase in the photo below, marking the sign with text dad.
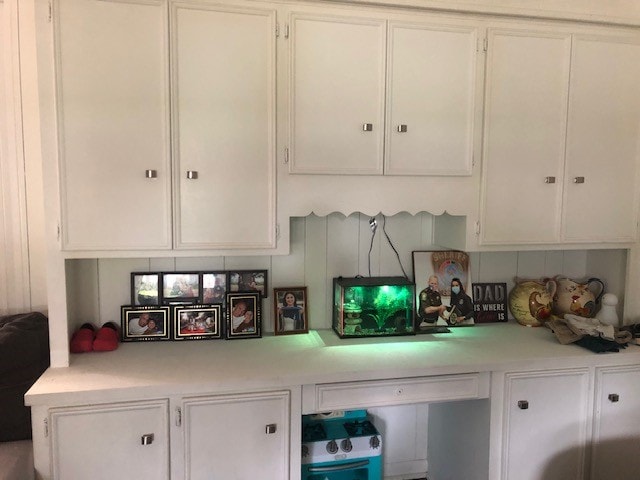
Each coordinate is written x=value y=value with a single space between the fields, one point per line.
x=489 y=302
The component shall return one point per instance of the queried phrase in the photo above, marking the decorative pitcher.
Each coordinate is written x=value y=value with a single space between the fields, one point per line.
x=577 y=298
x=530 y=301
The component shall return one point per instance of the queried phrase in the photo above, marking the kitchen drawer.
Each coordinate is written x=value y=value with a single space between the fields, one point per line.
x=351 y=395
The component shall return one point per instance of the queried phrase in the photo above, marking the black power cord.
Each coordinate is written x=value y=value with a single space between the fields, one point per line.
x=373 y=224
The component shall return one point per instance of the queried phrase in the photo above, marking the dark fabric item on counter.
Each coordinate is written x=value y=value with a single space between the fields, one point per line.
x=599 y=345
x=24 y=356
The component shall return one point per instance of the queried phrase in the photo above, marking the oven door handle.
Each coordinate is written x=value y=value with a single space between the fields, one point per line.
x=338 y=468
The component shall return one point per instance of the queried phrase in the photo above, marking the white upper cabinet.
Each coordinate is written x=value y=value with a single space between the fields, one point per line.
x=525 y=116
x=431 y=96
x=603 y=146
x=337 y=93
x=223 y=93
x=113 y=125
x=382 y=94
x=562 y=118
x=122 y=186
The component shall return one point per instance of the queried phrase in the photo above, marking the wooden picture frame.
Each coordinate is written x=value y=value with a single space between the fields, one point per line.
x=244 y=315
x=249 y=281
x=144 y=323
x=180 y=288
x=197 y=322
x=290 y=310
x=146 y=288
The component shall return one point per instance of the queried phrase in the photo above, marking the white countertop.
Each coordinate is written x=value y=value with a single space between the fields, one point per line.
x=141 y=370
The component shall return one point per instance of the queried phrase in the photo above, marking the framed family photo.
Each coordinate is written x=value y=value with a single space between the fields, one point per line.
x=197 y=322
x=290 y=310
x=180 y=288
x=248 y=281
x=145 y=288
x=443 y=290
x=244 y=316
x=144 y=323
x=214 y=287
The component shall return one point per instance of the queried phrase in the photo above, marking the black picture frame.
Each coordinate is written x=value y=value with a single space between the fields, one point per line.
x=249 y=281
x=214 y=287
x=238 y=325
x=290 y=316
x=132 y=329
x=146 y=288
x=180 y=288
x=197 y=322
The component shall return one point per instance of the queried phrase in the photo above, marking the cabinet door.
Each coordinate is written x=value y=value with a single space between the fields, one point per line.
x=224 y=119
x=600 y=201
x=431 y=99
x=337 y=94
x=237 y=437
x=113 y=125
x=544 y=432
x=525 y=119
x=616 y=433
x=124 y=441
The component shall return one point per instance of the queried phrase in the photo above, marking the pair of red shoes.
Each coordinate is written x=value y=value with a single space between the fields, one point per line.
x=86 y=339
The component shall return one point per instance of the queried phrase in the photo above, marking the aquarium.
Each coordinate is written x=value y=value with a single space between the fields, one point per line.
x=373 y=306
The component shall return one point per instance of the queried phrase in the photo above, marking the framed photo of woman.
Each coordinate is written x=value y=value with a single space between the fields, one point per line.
x=290 y=310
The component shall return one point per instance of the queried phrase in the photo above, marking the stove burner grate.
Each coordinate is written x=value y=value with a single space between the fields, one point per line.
x=359 y=428
x=313 y=432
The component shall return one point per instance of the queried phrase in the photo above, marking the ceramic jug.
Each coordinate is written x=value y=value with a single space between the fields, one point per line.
x=530 y=301
x=577 y=298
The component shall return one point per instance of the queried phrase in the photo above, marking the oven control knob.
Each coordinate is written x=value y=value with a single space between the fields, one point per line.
x=305 y=451
x=374 y=442
x=332 y=447
x=346 y=445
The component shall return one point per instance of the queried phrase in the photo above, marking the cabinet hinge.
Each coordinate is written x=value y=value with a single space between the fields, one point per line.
x=286 y=155
x=277 y=230
x=178 y=417
x=485 y=44
x=477 y=228
x=286 y=30
x=277 y=29
x=46 y=427
x=50 y=16
x=58 y=231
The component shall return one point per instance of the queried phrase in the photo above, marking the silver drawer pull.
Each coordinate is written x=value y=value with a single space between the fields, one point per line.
x=578 y=180
x=367 y=127
x=549 y=179
x=147 y=439
x=151 y=173
x=402 y=128
x=192 y=174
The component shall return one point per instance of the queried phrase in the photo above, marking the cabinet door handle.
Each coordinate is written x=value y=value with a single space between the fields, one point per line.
x=613 y=397
x=523 y=404
x=367 y=127
x=147 y=439
x=151 y=173
x=271 y=428
x=578 y=180
x=402 y=128
x=549 y=179
x=192 y=174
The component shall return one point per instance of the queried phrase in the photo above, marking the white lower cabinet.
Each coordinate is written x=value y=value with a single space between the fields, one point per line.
x=616 y=437
x=236 y=437
x=540 y=425
x=123 y=441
